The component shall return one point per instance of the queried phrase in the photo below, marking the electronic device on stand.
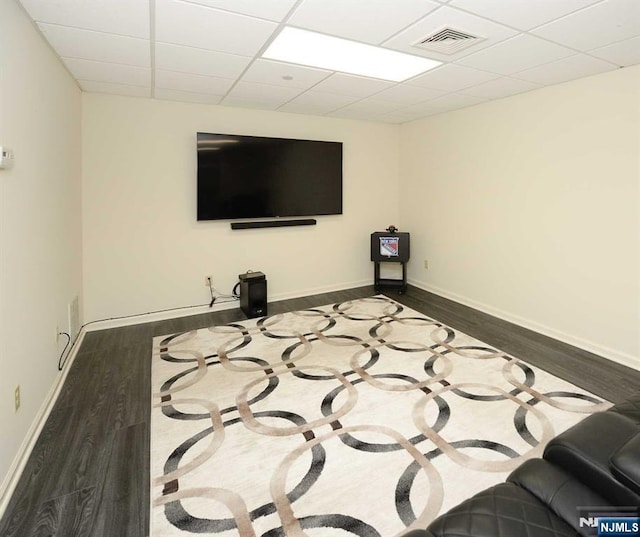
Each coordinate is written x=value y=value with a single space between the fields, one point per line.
x=390 y=246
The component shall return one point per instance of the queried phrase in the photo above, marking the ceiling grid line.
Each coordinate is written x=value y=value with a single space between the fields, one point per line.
x=211 y=51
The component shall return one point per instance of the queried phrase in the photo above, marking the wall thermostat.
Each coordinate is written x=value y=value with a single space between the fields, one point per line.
x=6 y=158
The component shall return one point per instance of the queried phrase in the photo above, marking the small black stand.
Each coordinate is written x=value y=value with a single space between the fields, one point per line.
x=390 y=247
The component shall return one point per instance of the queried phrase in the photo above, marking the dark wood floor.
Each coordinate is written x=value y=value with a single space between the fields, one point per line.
x=89 y=472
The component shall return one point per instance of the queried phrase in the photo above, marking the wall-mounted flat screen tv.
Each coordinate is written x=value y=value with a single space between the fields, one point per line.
x=258 y=177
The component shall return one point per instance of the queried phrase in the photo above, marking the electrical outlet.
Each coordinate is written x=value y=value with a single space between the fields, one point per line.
x=16 y=400
x=426 y=264
x=6 y=158
x=208 y=280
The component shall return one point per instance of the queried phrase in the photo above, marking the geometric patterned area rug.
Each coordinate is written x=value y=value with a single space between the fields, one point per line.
x=360 y=418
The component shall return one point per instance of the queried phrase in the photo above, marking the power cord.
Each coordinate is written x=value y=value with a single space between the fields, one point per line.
x=215 y=294
x=213 y=297
x=60 y=366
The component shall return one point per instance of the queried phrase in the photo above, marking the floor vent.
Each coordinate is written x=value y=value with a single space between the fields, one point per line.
x=448 y=41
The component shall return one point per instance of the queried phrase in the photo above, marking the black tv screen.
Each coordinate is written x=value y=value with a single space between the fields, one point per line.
x=258 y=177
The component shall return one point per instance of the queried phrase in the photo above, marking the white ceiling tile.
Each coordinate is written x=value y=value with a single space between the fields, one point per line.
x=199 y=62
x=624 y=53
x=274 y=10
x=91 y=86
x=452 y=77
x=114 y=73
x=500 y=87
x=99 y=46
x=599 y=25
x=406 y=95
x=516 y=54
x=266 y=94
x=353 y=114
x=450 y=102
x=566 y=69
x=201 y=49
x=192 y=83
x=453 y=18
x=122 y=17
x=320 y=101
x=357 y=86
x=399 y=116
x=186 y=96
x=373 y=106
x=522 y=14
x=278 y=73
x=183 y=23
x=372 y=21
x=421 y=109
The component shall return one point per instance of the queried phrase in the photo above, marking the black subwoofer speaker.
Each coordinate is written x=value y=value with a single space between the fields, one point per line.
x=253 y=294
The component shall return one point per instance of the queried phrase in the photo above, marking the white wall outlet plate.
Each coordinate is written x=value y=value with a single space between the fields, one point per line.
x=6 y=158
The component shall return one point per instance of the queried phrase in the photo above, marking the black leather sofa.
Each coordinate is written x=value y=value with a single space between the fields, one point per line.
x=589 y=470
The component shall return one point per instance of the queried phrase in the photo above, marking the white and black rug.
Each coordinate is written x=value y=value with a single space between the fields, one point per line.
x=361 y=418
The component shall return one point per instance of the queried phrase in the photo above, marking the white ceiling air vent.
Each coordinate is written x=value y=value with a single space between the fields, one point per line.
x=448 y=41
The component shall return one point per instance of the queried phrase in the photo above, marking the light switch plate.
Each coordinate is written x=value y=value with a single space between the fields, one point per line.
x=6 y=158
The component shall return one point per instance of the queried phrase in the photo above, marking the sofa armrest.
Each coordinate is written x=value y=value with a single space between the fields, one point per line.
x=561 y=492
x=625 y=464
x=585 y=449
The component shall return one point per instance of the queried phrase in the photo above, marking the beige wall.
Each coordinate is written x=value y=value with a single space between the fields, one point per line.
x=144 y=249
x=528 y=208
x=40 y=241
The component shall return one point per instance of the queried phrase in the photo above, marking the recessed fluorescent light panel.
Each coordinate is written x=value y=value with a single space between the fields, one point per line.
x=318 y=50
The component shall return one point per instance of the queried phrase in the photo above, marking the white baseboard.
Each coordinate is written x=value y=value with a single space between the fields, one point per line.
x=601 y=350
x=142 y=318
x=324 y=289
x=20 y=461
x=219 y=306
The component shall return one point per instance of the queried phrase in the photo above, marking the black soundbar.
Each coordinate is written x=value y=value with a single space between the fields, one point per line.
x=273 y=223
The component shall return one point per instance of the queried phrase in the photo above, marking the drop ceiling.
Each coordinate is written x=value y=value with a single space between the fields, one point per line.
x=209 y=51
